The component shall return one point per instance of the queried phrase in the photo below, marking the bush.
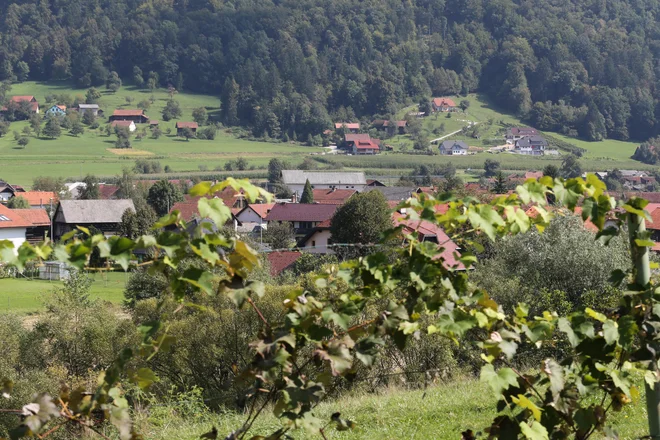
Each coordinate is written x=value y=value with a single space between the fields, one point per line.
x=142 y=285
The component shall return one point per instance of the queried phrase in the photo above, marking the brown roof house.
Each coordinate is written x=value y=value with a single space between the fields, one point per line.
x=351 y=127
x=180 y=126
x=136 y=116
x=303 y=217
x=104 y=215
x=443 y=105
x=18 y=100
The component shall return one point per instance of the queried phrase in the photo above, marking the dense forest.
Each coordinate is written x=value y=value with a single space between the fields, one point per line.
x=581 y=67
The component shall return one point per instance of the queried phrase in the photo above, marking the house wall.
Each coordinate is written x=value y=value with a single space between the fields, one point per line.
x=15 y=235
x=250 y=220
x=6 y=195
x=318 y=243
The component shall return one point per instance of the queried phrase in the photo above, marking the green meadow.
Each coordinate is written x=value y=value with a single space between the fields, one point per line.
x=93 y=152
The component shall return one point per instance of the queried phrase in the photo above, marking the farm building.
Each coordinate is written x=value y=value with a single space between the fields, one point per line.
x=136 y=116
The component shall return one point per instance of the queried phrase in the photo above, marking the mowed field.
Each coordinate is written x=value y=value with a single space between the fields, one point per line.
x=93 y=152
x=23 y=296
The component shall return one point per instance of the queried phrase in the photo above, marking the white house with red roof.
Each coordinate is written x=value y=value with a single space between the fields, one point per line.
x=365 y=147
x=318 y=240
x=17 y=100
x=13 y=226
x=254 y=215
x=443 y=105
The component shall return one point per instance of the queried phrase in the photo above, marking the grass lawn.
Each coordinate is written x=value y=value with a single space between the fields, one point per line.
x=440 y=412
x=72 y=157
x=24 y=296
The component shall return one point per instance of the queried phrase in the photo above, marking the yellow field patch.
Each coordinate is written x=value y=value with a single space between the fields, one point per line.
x=129 y=152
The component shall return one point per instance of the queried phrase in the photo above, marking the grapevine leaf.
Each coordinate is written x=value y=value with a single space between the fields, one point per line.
x=498 y=380
x=535 y=431
x=525 y=403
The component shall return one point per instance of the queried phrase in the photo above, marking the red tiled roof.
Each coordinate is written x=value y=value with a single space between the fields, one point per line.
x=18 y=99
x=188 y=210
x=280 y=261
x=12 y=219
x=349 y=125
x=187 y=125
x=428 y=230
x=426 y=190
x=298 y=212
x=332 y=196
x=37 y=217
x=356 y=137
x=35 y=198
x=262 y=209
x=366 y=145
x=124 y=112
x=444 y=102
x=107 y=191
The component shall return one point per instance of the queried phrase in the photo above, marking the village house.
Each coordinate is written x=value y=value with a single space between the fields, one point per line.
x=394 y=193
x=180 y=126
x=318 y=239
x=17 y=100
x=443 y=105
x=374 y=182
x=531 y=145
x=366 y=147
x=136 y=116
x=332 y=196
x=39 y=199
x=92 y=108
x=56 y=110
x=454 y=148
x=516 y=133
x=351 y=127
x=39 y=227
x=253 y=217
x=7 y=191
x=303 y=217
x=295 y=180
x=13 y=226
x=104 y=215
x=129 y=125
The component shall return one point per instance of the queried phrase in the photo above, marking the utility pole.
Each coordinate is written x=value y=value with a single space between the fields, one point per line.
x=642 y=272
x=51 y=219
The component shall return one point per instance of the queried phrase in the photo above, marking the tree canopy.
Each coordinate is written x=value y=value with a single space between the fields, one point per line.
x=285 y=67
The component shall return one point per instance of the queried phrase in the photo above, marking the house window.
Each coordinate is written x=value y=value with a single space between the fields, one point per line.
x=313 y=243
x=305 y=225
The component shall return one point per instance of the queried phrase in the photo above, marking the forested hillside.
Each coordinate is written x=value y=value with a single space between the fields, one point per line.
x=581 y=67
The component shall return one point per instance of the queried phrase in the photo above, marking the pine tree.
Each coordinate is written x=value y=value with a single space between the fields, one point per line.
x=308 y=194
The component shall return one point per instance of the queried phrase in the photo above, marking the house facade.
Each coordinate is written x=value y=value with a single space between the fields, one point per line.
x=253 y=216
x=454 y=148
x=56 y=110
x=443 y=105
x=295 y=180
x=13 y=226
x=318 y=240
x=104 y=215
x=531 y=145
x=136 y=116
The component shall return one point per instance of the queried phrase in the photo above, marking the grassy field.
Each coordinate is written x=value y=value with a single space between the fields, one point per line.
x=22 y=296
x=440 y=412
x=93 y=152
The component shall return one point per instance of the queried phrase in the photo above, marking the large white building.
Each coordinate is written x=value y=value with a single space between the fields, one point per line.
x=295 y=180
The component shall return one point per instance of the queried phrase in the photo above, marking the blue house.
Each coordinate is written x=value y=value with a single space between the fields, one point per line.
x=56 y=110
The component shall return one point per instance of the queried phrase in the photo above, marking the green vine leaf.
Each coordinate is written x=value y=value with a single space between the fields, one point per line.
x=499 y=380
x=535 y=431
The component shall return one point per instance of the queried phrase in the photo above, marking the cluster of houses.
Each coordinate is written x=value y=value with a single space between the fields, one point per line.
x=519 y=140
x=126 y=118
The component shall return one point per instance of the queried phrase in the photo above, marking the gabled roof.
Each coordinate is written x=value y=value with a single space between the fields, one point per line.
x=449 y=145
x=299 y=177
x=22 y=98
x=187 y=125
x=37 y=217
x=39 y=197
x=349 y=125
x=444 y=102
x=280 y=261
x=332 y=196
x=530 y=141
x=351 y=137
x=129 y=112
x=11 y=219
x=428 y=231
x=298 y=212
x=366 y=145
x=94 y=211
x=88 y=106
x=188 y=210
x=261 y=209
x=107 y=191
